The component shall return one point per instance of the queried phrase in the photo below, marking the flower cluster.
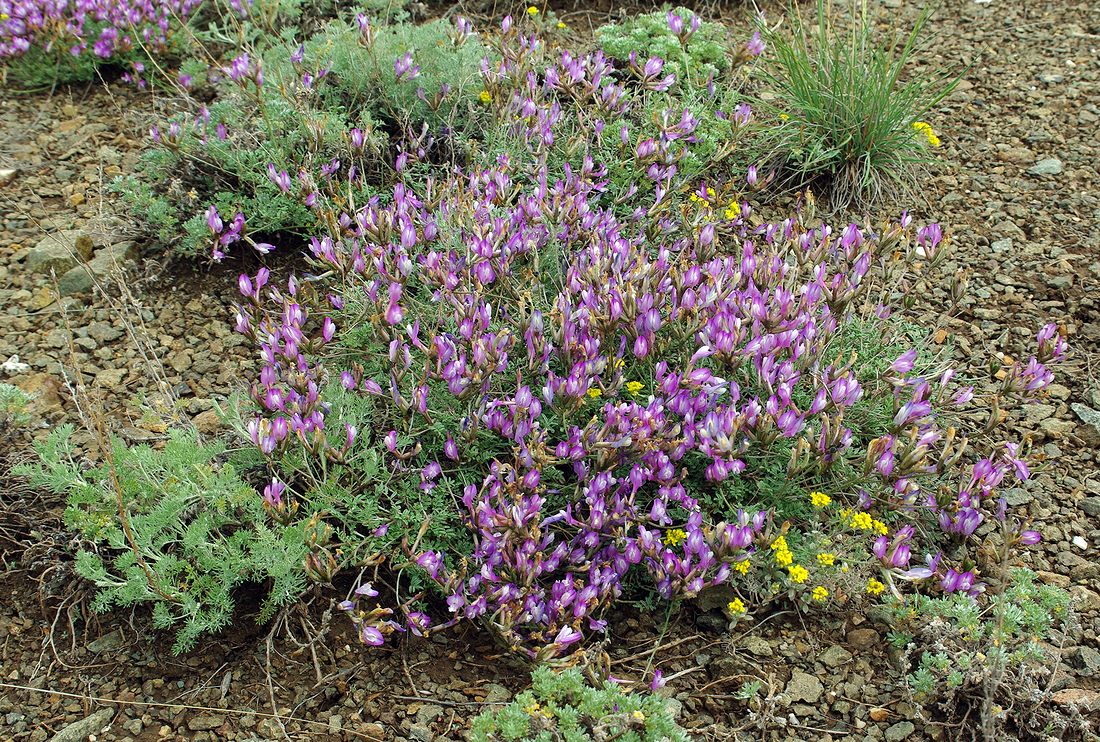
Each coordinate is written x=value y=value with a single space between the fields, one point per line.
x=925 y=130
x=104 y=28
x=580 y=366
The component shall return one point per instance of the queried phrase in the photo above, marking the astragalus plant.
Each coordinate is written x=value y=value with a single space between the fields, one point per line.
x=578 y=369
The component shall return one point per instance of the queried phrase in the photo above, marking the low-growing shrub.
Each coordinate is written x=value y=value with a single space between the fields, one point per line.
x=42 y=43
x=601 y=375
x=563 y=706
x=837 y=104
x=694 y=50
x=14 y=405
x=176 y=528
x=332 y=108
x=991 y=662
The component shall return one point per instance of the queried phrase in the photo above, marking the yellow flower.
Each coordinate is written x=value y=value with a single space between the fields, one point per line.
x=532 y=708
x=733 y=210
x=532 y=11
x=819 y=593
x=783 y=555
x=826 y=558
x=820 y=499
x=784 y=117
x=595 y=392
x=675 y=536
x=561 y=24
x=736 y=606
x=879 y=527
x=798 y=573
x=617 y=363
x=863 y=521
x=742 y=566
x=634 y=387
x=926 y=130
x=485 y=97
x=638 y=716
x=874 y=587
x=4 y=17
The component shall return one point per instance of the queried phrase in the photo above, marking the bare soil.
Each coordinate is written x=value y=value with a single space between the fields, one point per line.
x=155 y=348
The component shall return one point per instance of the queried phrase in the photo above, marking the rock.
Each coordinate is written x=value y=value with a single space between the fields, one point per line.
x=420 y=733
x=180 y=362
x=879 y=714
x=45 y=390
x=1087 y=415
x=1051 y=78
x=205 y=722
x=713 y=622
x=107 y=642
x=1080 y=542
x=110 y=378
x=804 y=687
x=80 y=730
x=1047 y=166
x=836 y=656
x=758 y=646
x=1036 y=413
x=372 y=730
x=13 y=366
x=207 y=422
x=1058 y=391
x=57 y=252
x=1091 y=506
x=863 y=638
x=103 y=332
x=1056 y=427
x=497 y=693
x=119 y=252
x=1085 y=700
x=1088 y=660
x=715 y=598
x=108 y=261
x=1017 y=496
x=675 y=707
x=76 y=281
x=7 y=175
x=899 y=731
x=428 y=713
x=1085 y=600
x=1053 y=578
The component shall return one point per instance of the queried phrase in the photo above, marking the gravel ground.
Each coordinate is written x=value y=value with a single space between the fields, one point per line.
x=1018 y=191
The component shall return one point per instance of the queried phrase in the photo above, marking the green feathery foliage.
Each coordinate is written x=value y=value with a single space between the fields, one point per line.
x=562 y=706
x=177 y=528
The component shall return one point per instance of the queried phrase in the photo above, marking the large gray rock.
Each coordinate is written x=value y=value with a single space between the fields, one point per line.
x=898 y=732
x=59 y=251
x=80 y=730
x=804 y=687
x=1048 y=166
x=82 y=278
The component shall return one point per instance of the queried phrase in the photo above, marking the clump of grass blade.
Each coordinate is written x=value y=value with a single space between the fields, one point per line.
x=841 y=110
